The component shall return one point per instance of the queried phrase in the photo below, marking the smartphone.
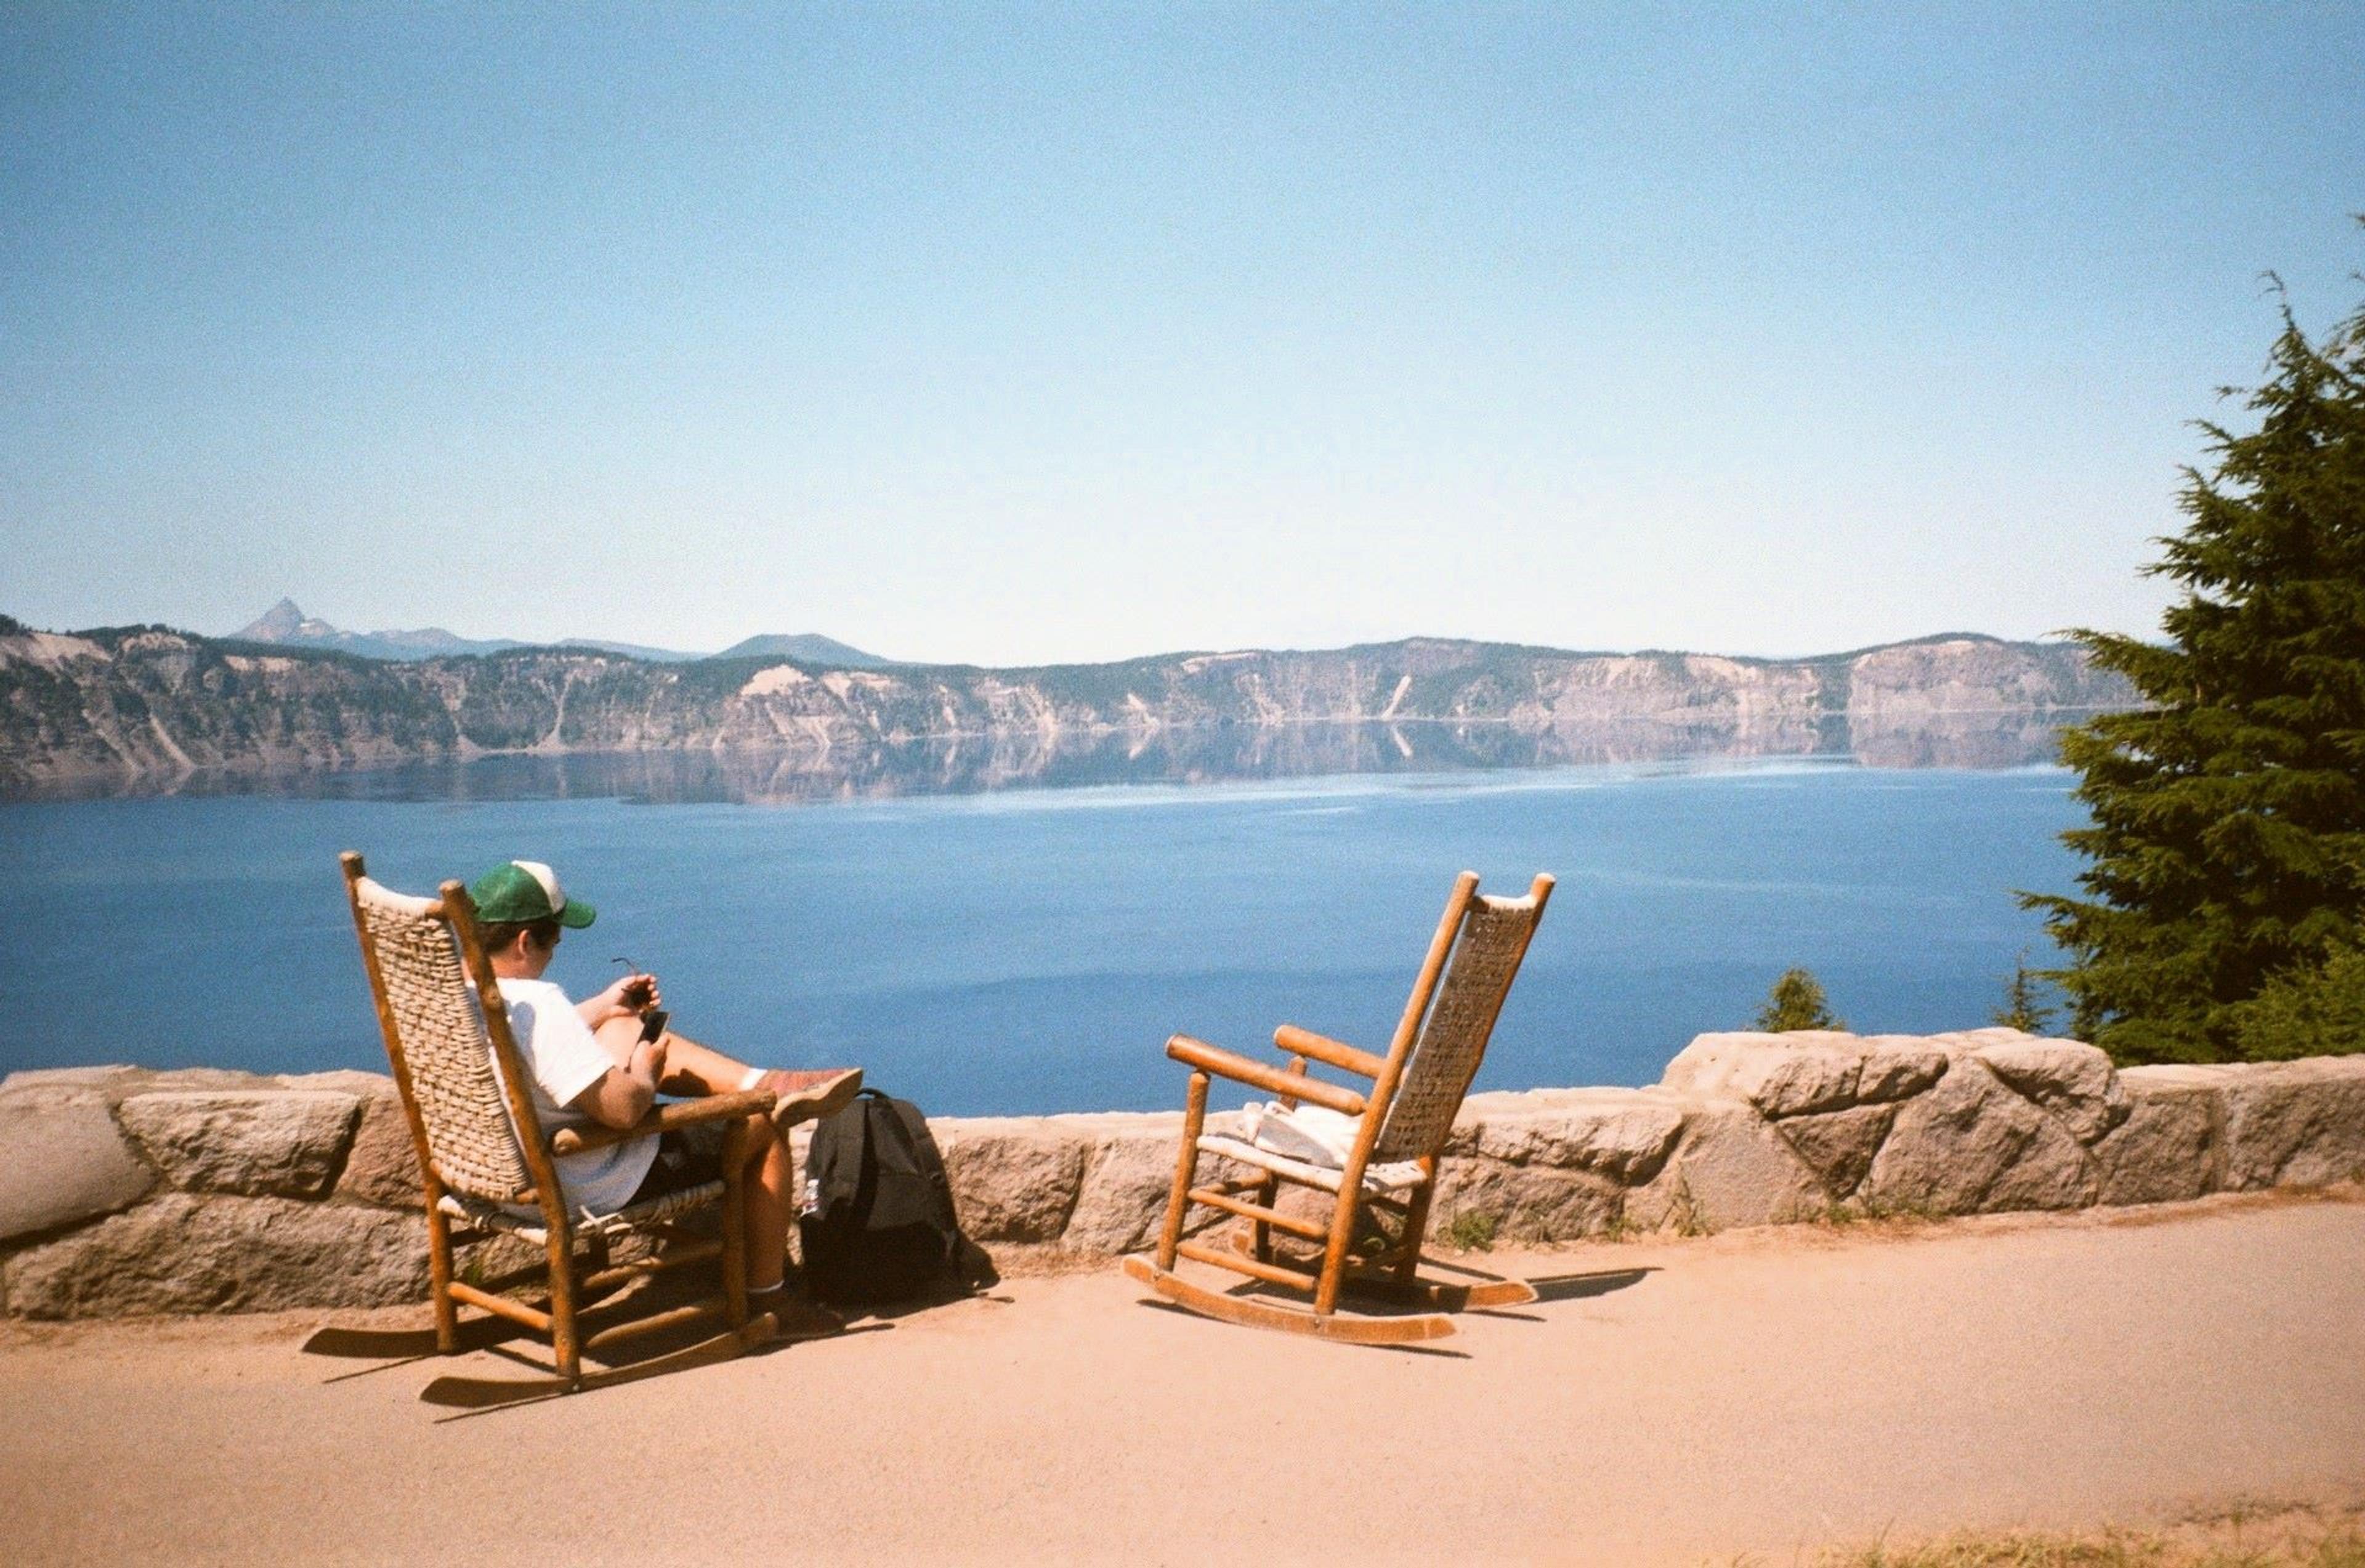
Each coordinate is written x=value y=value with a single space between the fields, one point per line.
x=653 y=1022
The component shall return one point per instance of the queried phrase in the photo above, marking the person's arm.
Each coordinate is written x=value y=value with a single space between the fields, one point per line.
x=623 y=1095
x=629 y=996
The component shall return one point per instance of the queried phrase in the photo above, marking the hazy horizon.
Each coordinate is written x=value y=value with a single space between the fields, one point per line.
x=1025 y=336
x=862 y=646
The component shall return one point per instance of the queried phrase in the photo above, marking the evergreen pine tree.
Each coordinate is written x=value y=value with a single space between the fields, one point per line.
x=2227 y=844
x=1796 y=1002
x=2021 y=1010
x=2306 y=1012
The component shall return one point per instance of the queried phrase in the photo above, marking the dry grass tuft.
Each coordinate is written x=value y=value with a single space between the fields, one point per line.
x=2245 y=1536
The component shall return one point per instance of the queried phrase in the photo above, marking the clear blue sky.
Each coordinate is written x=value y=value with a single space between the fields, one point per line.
x=1037 y=333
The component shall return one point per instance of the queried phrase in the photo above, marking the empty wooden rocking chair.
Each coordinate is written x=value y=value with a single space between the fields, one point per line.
x=445 y=1027
x=1387 y=1139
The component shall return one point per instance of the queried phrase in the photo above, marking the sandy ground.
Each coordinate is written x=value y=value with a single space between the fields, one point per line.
x=1761 y=1393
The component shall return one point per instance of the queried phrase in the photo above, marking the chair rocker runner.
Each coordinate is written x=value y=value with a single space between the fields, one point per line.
x=444 y=1040
x=1384 y=1178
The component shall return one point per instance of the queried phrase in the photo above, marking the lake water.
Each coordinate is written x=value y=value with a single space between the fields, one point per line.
x=1029 y=950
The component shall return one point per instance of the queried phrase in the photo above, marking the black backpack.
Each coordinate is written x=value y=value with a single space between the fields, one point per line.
x=877 y=1222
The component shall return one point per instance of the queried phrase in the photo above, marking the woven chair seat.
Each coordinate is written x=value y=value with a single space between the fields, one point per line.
x=1395 y=1177
x=527 y=1225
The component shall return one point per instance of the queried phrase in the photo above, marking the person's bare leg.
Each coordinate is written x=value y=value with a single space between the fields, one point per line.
x=770 y=1188
x=695 y=1070
x=801 y=1096
x=692 y=1071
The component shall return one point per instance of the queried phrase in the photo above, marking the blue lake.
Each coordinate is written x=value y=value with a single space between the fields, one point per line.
x=1028 y=951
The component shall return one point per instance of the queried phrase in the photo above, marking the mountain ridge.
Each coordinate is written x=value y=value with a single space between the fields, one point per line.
x=285 y=625
x=138 y=708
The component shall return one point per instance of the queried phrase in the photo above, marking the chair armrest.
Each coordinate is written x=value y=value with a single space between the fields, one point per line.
x=1240 y=1069
x=1321 y=1048
x=665 y=1118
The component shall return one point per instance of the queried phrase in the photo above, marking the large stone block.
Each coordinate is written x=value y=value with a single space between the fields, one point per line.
x=288 y=1142
x=381 y=1166
x=1971 y=1144
x=1730 y=1169
x=1839 y=1146
x=1128 y=1170
x=1897 y=1066
x=2168 y=1148
x=1783 y=1075
x=184 y=1253
x=1623 y=1135
x=2294 y=1123
x=62 y=1160
x=65 y=1085
x=1528 y=1203
x=1804 y=1071
x=1014 y=1178
x=2073 y=1081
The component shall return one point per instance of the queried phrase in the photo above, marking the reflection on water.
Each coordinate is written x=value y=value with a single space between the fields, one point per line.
x=1223 y=753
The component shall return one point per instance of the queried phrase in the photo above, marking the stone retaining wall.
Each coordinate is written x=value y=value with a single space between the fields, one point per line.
x=123 y=1190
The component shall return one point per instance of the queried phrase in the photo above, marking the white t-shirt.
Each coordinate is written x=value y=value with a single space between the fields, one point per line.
x=565 y=1058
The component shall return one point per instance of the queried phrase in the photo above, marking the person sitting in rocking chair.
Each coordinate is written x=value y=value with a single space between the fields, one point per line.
x=605 y=1060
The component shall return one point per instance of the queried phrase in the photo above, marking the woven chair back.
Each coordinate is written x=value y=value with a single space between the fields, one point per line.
x=436 y=1038
x=1461 y=1018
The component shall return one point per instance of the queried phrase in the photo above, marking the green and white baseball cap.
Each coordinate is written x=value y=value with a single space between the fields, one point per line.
x=528 y=890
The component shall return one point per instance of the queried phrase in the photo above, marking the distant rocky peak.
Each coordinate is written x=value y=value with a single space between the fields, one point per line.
x=277 y=624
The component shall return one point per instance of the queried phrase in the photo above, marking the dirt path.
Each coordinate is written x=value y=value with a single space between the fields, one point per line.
x=1747 y=1393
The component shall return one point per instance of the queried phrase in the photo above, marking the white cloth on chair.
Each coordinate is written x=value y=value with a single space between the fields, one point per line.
x=1308 y=1133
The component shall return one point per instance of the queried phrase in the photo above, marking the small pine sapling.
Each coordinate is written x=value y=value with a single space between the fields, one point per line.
x=1796 y=1002
x=2021 y=1008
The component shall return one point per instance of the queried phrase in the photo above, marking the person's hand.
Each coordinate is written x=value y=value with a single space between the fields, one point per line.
x=651 y=1055
x=630 y=995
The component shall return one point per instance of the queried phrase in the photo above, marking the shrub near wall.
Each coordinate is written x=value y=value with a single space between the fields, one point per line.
x=128 y=1192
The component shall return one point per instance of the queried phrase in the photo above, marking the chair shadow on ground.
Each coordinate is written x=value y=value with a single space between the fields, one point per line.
x=645 y=1356
x=387 y=1348
x=1581 y=1287
x=1549 y=1289
x=1554 y=1288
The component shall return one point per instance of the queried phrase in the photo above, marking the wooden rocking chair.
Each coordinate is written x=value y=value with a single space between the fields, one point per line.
x=1389 y=1174
x=445 y=1028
